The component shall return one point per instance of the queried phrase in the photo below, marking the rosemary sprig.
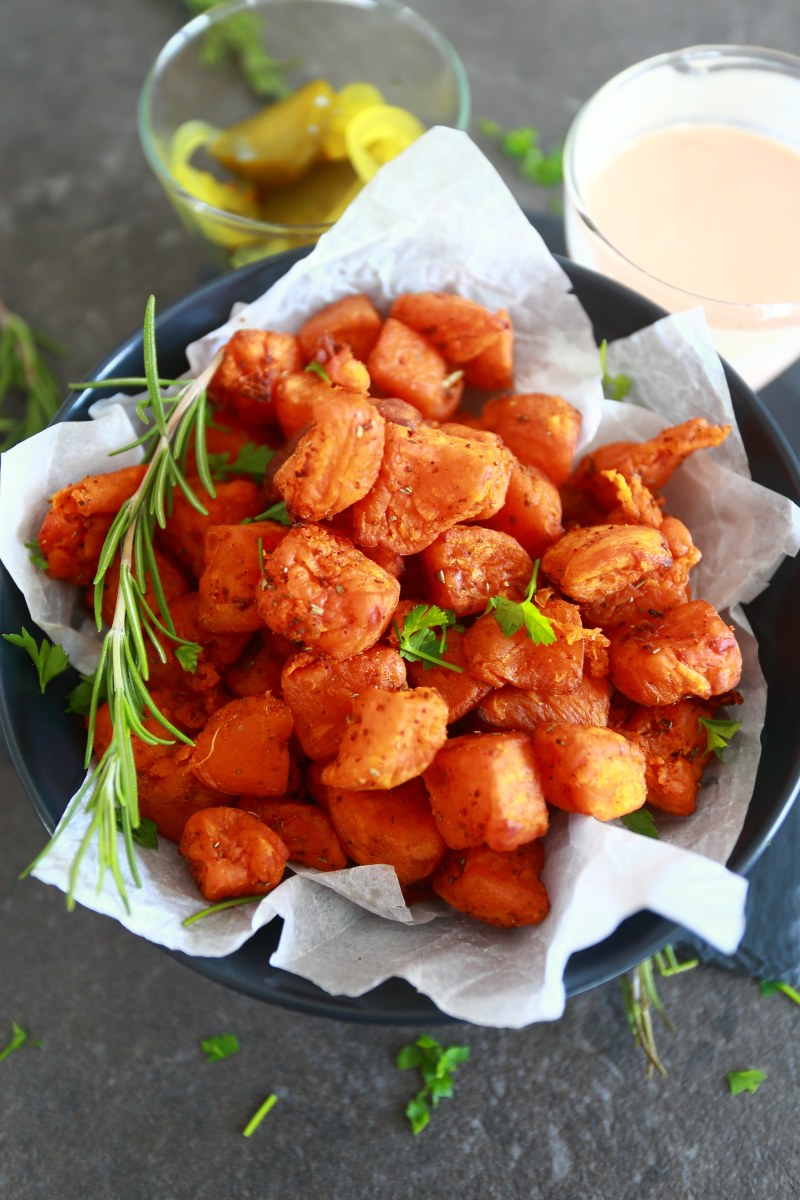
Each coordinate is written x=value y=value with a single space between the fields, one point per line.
x=110 y=793
x=642 y=1000
x=23 y=370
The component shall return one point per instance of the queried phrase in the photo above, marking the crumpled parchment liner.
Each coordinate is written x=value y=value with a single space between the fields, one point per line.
x=349 y=930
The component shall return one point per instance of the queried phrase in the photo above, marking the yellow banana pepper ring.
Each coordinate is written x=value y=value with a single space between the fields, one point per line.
x=186 y=141
x=349 y=101
x=377 y=134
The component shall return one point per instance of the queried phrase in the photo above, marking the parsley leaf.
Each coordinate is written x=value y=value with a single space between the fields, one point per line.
x=35 y=555
x=49 y=658
x=317 y=369
x=641 y=822
x=418 y=641
x=79 y=700
x=251 y=460
x=277 y=512
x=615 y=387
x=769 y=987
x=436 y=1064
x=18 y=1038
x=745 y=1081
x=240 y=36
x=222 y=1045
x=511 y=617
x=145 y=834
x=188 y=655
x=718 y=733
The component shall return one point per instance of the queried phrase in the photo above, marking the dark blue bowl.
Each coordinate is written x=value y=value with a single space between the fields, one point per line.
x=47 y=747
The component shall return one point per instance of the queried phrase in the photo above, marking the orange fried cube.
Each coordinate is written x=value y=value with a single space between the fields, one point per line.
x=502 y=889
x=394 y=826
x=392 y=737
x=231 y=853
x=405 y=364
x=590 y=770
x=467 y=564
x=459 y=328
x=304 y=828
x=244 y=747
x=540 y=430
x=352 y=319
x=254 y=362
x=227 y=588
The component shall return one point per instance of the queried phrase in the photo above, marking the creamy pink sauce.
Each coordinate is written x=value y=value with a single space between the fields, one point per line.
x=708 y=208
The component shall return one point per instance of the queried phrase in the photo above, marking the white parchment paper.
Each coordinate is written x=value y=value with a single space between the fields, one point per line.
x=439 y=217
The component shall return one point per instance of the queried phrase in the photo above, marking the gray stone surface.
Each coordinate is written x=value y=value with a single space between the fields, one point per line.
x=119 y=1102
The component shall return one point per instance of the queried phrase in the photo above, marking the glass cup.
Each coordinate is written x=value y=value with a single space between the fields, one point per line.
x=193 y=84
x=745 y=89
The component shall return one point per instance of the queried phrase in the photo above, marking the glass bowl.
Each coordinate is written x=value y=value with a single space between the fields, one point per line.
x=653 y=235
x=377 y=42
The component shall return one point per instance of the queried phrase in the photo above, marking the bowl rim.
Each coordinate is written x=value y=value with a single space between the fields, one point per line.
x=199 y=25
x=393 y=1002
x=711 y=57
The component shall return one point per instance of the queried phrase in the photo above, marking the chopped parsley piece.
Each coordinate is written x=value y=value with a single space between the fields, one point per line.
x=18 y=1038
x=276 y=513
x=251 y=460
x=511 y=616
x=188 y=655
x=718 y=733
x=79 y=700
x=769 y=987
x=615 y=387
x=641 y=822
x=222 y=1045
x=745 y=1081
x=49 y=659
x=36 y=556
x=145 y=834
x=436 y=1066
x=418 y=641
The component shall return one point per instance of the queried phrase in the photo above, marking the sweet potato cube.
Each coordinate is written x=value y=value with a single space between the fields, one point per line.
x=318 y=589
x=185 y=532
x=493 y=368
x=460 y=690
x=459 y=328
x=590 y=770
x=394 y=826
x=467 y=564
x=353 y=319
x=524 y=708
x=258 y=670
x=541 y=430
x=304 y=828
x=243 y=749
x=553 y=667
x=531 y=511
x=78 y=519
x=170 y=792
x=589 y=564
x=392 y=737
x=428 y=481
x=501 y=889
x=675 y=746
x=484 y=787
x=336 y=461
x=231 y=853
x=320 y=693
x=227 y=588
x=405 y=364
x=254 y=362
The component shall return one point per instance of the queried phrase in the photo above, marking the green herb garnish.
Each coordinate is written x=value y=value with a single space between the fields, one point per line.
x=258 y=1116
x=512 y=616
x=522 y=145
x=418 y=641
x=642 y=999
x=79 y=700
x=111 y=788
x=615 y=387
x=718 y=733
x=35 y=555
x=436 y=1066
x=276 y=513
x=745 y=1081
x=25 y=375
x=49 y=658
x=234 y=902
x=18 y=1038
x=222 y=1045
x=251 y=460
x=641 y=822
x=145 y=834
x=240 y=37
x=769 y=987
x=317 y=369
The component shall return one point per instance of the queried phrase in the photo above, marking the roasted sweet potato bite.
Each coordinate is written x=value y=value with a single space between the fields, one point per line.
x=401 y=631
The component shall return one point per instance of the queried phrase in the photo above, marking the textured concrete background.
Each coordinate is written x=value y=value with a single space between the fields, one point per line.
x=120 y=1102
